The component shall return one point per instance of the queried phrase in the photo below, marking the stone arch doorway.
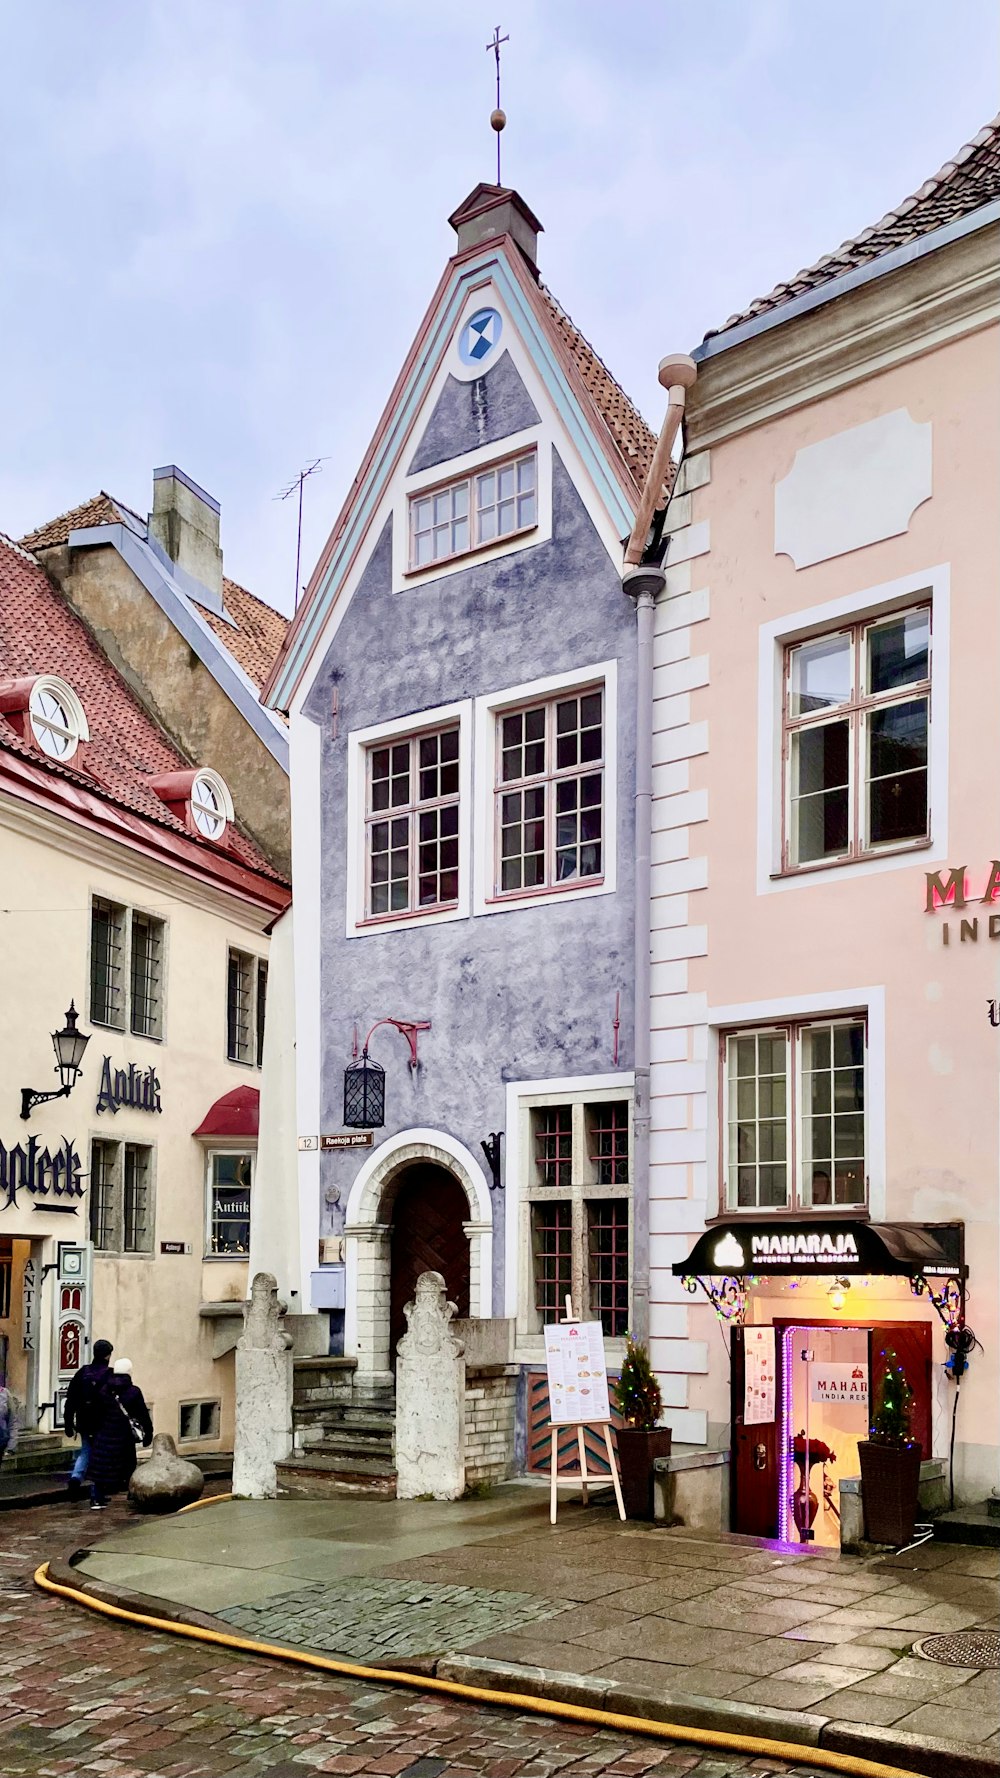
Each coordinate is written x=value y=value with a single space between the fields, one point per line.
x=428 y=1219
x=376 y=1196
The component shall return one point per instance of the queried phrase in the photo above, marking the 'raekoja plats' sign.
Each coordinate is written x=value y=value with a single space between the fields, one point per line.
x=951 y=890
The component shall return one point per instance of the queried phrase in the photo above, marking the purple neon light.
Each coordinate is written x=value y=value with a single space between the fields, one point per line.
x=785 y=1452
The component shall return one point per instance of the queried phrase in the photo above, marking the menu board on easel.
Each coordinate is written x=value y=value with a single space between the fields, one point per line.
x=578 y=1373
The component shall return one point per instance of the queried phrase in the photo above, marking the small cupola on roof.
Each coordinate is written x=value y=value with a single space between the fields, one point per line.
x=491 y=211
x=46 y=712
x=200 y=799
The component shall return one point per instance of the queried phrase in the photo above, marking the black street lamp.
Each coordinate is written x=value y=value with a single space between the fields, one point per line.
x=69 y=1045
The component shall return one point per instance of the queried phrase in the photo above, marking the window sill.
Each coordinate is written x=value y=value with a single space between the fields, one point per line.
x=427 y=570
x=515 y=897
x=844 y=858
x=372 y=922
x=226 y=1259
x=811 y=1212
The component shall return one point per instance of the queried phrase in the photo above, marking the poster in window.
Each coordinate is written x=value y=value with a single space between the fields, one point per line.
x=578 y=1373
x=758 y=1376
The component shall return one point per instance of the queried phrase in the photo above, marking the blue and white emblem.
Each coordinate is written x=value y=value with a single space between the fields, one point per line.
x=479 y=337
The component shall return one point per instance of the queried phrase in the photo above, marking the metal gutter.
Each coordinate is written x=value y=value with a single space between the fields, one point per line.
x=852 y=280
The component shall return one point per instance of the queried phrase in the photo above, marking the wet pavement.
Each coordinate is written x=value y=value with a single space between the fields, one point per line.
x=83 y=1695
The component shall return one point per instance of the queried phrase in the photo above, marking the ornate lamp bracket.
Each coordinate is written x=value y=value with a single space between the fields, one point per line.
x=728 y=1296
x=948 y=1299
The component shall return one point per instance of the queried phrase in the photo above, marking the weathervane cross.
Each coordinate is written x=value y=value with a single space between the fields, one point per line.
x=498 y=119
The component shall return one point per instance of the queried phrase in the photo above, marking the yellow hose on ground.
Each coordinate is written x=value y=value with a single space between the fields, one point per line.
x=210 y=1500
x=826 y=1757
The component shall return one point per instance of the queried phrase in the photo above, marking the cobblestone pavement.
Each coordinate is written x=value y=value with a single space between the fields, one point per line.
x=83 y=1695
x=373 y=1620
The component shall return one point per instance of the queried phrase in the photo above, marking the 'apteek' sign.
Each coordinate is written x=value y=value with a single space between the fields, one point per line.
x=132 y=1086
x=39 y=1171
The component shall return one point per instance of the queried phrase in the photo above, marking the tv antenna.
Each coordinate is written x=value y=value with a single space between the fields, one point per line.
x=299 y=481
x=498 y=118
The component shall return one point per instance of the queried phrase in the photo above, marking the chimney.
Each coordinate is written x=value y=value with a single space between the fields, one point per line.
x=494 y=210
x=185 y=523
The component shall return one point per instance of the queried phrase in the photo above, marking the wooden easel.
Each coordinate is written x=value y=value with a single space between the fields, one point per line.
x=605 y=1426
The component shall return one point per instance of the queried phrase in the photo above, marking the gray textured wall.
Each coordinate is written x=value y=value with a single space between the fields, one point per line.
x=525 y=993
x=480 y=412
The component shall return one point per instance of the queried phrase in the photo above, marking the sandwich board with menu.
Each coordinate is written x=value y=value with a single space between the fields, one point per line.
x=578 y=1396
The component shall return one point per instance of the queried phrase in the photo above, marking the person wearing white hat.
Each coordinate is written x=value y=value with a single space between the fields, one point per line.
x=124 y=1422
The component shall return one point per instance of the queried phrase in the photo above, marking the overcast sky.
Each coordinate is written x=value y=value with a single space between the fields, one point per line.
x=222 y=220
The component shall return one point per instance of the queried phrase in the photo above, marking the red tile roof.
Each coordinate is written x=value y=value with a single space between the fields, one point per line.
x=635 y=441
x=40 y=634
x=964 y=184
x=257 y=631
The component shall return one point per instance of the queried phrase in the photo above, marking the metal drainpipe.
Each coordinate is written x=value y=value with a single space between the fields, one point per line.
x=643 y=583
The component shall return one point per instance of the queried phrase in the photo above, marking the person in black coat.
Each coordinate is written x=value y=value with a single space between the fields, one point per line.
x=79 y=1411
x=118 y=1404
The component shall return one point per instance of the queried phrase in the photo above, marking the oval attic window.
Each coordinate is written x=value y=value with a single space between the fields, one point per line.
x=58 y=723
x=210 y=805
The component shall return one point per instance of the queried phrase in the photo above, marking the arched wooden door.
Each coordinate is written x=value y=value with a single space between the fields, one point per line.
x=427 y=1236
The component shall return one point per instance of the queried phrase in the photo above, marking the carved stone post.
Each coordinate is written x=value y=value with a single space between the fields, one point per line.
x=430 y=1398
x=263 y=1394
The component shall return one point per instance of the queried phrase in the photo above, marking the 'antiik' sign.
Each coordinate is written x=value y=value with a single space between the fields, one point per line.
x=136 y=1087
x=951 y=889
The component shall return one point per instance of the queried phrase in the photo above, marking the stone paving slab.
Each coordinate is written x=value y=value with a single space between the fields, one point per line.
x=679 y=1616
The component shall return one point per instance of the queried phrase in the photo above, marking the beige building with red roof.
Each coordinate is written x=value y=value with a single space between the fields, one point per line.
x=138 y=895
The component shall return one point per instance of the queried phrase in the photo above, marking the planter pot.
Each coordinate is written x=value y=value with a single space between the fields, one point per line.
x=636 y=1452
x=890 y=1477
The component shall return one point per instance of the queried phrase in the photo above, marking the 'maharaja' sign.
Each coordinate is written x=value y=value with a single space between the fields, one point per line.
x=951 y=890
x=777 y=1247
x=833 y=1383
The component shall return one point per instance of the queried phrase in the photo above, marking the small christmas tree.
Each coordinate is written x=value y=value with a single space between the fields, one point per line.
x=891 y=1420
x=637 y=1393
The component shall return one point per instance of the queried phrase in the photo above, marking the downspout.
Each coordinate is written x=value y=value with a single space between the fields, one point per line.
x=643 y=582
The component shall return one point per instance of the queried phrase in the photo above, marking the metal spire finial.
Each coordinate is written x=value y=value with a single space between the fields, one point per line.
x=498 y=118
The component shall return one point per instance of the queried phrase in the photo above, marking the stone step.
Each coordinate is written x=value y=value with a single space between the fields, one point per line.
x=40 y=1453
x=349 y=1444
x=312 y=1476
x=358 y=1420
x=969 y=1524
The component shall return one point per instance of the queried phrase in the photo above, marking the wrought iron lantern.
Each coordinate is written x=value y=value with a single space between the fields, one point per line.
x=364 y=1094
x=69 y=1045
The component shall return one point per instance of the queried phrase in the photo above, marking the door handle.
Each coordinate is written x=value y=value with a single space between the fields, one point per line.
x=760 y=1456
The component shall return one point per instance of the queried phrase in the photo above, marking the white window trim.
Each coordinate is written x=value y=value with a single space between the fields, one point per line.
x=933 y=584
x=522 y=1095
x=125 y=1030
x=242 y=949
x=120 y=1142
x=753 y=1014
x=219 y=1145
x=76 y=716
x=205 y=775
x=488 y=708
x=536 y=438
x=358 y=743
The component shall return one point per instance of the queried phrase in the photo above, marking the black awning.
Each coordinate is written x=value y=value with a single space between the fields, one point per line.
x=765 y=1247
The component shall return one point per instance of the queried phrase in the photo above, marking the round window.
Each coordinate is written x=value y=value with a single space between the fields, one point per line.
x=57 y=720
x=207 y=808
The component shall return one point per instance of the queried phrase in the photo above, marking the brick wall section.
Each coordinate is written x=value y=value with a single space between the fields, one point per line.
x=490 y=1399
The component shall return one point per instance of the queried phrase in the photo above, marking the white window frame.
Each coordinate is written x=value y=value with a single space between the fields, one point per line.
x=523 y=1097
x=220 y=801
x=359 y=743
x=930 y=586
x=76 y=729
x=535 y=438
x=217 y=1148
x=468 y=483
x=487 y=898
x=411 y=812
x=754 y=1015
x=792 y=1031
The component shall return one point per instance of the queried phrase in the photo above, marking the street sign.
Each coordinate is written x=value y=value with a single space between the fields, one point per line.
x=348 y=1139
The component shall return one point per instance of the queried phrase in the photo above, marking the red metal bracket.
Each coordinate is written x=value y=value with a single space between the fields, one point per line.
x=408 y=1028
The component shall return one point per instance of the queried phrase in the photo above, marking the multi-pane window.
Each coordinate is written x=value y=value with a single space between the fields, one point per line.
x=197 y=1419
x=550 y=793
x=794 y=1116
x=246 y=995
x=229 y=1183
x=476 y=509
x=577 y=1206
x=412 y=824
x=126 y=968
x=107 y=963
x=147 y=976
x=855 y=744
x=121 y=1197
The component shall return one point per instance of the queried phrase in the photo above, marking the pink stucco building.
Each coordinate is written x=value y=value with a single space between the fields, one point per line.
x=826 y=908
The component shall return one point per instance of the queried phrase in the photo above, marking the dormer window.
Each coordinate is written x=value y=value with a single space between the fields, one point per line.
x=200 y=800
x=473 y=511
x=46 y=711
x=208 y=810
